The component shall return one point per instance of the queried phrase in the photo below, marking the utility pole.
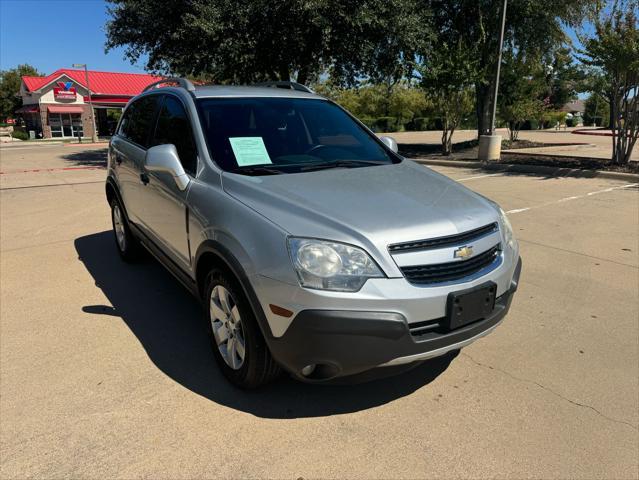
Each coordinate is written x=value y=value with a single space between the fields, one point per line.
x=94 y=137
x=490 y=145
x=501 y=47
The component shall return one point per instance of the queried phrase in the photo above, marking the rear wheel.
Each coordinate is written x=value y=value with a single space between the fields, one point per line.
x=127 y=245
x=236 y=340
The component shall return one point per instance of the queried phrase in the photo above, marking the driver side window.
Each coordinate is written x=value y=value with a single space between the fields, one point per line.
x=173 y=127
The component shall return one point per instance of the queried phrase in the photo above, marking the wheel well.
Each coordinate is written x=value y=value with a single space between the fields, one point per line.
x=110 y=192
x=214 y=258
x=206 y=262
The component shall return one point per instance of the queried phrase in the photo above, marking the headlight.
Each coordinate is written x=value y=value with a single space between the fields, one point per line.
x=509 y=238
x=331 y=265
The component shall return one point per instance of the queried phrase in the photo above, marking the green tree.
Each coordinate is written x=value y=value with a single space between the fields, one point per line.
x=446 y=77
x=533 y=27
x=614 y=51
x=406 y=103
x=522 y=88
x=563 y=77
x=371 y=102
x=599 y=85
x=244 y=41
x=10 y=87
x=596 y=110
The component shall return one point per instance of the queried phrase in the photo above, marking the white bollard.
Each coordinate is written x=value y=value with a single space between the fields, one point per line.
x=489 y=148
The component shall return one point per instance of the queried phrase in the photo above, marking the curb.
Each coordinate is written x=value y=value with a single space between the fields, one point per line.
x=98 y=144
x=552 y=154
x=28 y=144
x=596 y=133
x=536 y=169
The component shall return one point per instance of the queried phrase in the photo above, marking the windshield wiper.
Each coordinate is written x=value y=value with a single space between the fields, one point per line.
x=339 y=163
x=257 y=170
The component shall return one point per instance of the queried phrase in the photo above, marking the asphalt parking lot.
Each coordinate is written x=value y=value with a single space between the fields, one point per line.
x=105 y=371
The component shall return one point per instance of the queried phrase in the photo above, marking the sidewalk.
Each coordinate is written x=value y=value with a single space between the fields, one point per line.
x=28 y=144
x=581 y=145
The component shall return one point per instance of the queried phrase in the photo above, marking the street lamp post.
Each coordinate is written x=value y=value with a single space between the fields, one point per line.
x=94 y=137
x=490 y=145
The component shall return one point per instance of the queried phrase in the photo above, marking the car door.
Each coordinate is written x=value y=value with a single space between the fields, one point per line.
x=165 y=209
x=128 y=151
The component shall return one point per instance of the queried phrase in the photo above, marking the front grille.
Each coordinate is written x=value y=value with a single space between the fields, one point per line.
x=440 y=242
x=446 y=272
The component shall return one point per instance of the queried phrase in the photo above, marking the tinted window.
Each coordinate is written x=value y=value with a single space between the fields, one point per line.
x=173 y=127
x=295 y=133
x=138 y=120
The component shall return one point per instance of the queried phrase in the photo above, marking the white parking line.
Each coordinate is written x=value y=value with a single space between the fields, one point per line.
x=566 y=199
x=478 y=176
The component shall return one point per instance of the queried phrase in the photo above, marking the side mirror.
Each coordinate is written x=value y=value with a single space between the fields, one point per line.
x=164 y=158
x=390 y=143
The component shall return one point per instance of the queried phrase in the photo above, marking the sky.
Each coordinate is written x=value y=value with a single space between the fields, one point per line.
x=52 y=34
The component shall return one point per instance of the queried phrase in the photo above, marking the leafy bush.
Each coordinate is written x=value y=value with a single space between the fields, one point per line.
x=368 y=121
x=417 y=124
x=20 y=135
x=530 y=125
x=551 y=119
x=435 y=124
x=597 y=121
x=571 y=122
x=386 y=124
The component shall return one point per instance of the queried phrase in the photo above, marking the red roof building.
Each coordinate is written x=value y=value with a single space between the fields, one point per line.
x=56 y=106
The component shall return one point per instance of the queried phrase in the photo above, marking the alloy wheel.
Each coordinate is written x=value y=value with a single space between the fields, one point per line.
x=118 y=226
x=227 y=327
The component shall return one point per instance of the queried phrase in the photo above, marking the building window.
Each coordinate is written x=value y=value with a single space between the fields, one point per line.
x=66 y=125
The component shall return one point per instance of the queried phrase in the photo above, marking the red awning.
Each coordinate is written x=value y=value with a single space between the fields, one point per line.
x=28 y=109
x=64 y=109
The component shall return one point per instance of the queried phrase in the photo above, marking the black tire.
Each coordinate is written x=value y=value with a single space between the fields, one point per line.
x=128 y=246
x=258 y=367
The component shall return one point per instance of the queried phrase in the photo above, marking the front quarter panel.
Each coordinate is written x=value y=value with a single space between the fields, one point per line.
x=254 y=241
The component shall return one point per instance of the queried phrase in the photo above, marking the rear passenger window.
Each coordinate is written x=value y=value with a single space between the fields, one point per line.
x=174 y=127
x=138 y=120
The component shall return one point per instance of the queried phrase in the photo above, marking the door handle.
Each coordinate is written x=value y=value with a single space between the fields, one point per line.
x=118 y=159
x=144 y=178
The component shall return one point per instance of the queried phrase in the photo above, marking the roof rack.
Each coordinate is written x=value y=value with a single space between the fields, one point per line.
x=182 y=82
x=283 y=84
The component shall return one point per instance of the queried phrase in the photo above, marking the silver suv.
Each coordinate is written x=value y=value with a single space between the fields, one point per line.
x=313 y=246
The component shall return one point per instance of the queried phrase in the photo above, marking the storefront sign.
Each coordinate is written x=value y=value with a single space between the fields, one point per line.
x=64 y=91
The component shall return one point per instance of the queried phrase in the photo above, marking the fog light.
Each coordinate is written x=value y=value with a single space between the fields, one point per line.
x=308 y=369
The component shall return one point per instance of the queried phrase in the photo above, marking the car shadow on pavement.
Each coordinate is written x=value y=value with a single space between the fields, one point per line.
x=88 y=157
x=168 y=322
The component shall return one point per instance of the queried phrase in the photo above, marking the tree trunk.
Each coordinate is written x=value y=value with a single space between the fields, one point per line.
x=513 y=130
x=616 y=152
x=302 y=76
x=484 y=105
x=611 y=111
x=445 y=142
x=284 y=73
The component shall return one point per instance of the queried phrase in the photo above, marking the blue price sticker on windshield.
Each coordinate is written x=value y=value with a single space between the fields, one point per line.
x=249 y=151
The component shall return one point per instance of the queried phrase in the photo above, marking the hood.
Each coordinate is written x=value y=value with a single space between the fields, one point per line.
x=377 y=205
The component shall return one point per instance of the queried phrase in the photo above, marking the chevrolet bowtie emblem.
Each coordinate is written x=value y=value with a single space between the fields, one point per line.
x=463 y=252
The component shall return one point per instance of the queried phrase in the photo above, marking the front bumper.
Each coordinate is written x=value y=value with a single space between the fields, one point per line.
x=342 y=342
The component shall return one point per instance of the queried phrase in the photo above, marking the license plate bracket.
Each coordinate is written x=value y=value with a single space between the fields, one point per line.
x=468 y=306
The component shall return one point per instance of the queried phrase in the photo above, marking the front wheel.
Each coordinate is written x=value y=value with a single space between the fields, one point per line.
x=236 y=340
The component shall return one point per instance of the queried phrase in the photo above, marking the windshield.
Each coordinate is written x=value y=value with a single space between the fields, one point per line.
x=267 y=136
